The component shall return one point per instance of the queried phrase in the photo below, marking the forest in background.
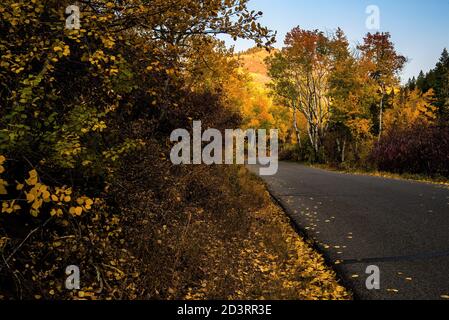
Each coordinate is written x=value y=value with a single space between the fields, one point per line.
x=346 y=106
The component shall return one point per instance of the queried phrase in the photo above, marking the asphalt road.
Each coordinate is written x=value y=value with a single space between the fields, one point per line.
x=357 y=221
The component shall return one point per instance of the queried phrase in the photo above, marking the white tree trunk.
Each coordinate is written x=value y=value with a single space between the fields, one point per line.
x=297 y=131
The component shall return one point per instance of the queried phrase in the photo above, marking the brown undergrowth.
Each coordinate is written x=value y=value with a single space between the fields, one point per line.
x=214 y=233
x=168 y=232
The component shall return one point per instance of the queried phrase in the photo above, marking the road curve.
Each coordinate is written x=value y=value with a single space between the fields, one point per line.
x=357 y=221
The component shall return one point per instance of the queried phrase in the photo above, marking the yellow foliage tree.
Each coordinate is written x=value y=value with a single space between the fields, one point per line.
x=410 y=107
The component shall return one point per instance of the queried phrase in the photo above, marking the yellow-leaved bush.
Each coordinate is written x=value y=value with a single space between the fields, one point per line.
x=75 y=104
x=37 y=197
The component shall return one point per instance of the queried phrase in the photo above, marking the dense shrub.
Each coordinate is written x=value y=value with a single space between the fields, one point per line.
x=420 y=149
x=289 y=152
x=74 y=103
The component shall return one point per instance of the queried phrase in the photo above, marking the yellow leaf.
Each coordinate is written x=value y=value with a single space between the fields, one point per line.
x=33 y=178
x=66 y=51
x=30 y=197
x=57 y=212
x=393 y=290
x=37 y=204
x=76 y=211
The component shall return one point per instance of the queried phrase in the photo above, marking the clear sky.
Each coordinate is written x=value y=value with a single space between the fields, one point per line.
x=419 y=28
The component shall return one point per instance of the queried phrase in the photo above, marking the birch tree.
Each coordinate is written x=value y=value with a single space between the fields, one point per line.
x=300 y=75
x=383 y=66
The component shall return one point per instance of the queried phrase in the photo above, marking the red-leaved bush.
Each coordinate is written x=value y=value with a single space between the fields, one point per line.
x=420 y=149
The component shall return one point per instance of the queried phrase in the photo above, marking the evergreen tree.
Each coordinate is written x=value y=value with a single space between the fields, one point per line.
x=411 y=84
x=421 y=82
x=441 y=85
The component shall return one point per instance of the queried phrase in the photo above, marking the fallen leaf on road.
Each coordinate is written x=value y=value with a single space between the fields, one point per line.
x=393 y=290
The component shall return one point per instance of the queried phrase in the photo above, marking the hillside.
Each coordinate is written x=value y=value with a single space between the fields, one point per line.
x=253 y=62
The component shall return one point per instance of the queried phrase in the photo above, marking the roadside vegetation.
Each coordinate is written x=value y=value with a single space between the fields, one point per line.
x=437 y=180
x=85 y=175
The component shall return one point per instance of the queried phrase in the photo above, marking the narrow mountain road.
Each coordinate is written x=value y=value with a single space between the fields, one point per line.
x=357 y=221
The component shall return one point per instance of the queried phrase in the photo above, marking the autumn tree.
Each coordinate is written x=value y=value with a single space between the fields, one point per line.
x=411 y=107
x=283 y=87
x=349 y=92
x=250 y=92
x=382 y=64
x=301 y=75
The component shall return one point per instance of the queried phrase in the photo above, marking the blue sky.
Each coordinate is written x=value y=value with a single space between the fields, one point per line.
x=419 y=28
